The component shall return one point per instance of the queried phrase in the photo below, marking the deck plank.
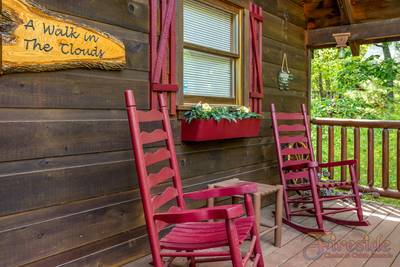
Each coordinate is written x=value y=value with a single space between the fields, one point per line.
x=356 y=233
x=380 y=232
x=385 y=223
x=311 y=252
x=394 y=245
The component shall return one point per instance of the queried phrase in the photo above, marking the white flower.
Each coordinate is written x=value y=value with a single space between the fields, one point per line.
x=243 y=109
x=206 y=107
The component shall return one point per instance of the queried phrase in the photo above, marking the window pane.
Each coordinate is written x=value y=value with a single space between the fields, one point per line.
x=207 y=26
x=207 y=75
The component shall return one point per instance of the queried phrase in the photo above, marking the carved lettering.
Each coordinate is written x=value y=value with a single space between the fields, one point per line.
x=34 y=44
x=29 y=25
x=46 y=41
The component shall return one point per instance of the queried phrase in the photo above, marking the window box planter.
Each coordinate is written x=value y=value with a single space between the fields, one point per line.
x=206 y=130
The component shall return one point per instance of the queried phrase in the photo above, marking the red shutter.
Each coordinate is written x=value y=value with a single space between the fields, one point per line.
x=256 y=78
x=163 y=52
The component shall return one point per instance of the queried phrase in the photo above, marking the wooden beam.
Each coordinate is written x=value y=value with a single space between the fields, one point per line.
x=345 y=12
x=355 y=48
x=368 y=32
x=347 y=6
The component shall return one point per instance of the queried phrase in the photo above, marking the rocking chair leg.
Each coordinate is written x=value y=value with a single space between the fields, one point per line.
x=233 y=239
x=315 y=197
x=286 y=205
x=192 y=262
x=258 y=251
x=356 y=193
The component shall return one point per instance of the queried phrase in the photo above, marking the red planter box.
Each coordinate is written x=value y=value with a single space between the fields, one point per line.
x=206 y=130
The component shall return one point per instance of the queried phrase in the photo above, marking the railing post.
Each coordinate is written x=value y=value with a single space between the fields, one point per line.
x=370 y=157
x=385 y=159
x=319 y=143
x=343 y=153
x=357 y=151
x=398 y=160
x=331 y=148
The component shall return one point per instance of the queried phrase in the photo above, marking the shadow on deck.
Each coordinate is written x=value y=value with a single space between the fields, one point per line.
x=375 y=245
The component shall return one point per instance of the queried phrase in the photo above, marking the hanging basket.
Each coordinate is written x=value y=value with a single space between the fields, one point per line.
x=207 y=130
x=284 y=75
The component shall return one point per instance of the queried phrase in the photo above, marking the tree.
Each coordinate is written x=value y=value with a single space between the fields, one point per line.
x=356 y=87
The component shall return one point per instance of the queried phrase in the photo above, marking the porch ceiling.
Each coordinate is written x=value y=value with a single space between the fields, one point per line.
x=368 y=21
x=327 y=13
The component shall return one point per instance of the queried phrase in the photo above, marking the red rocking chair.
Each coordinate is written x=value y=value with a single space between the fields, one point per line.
x=193 y=234
x=299 y=173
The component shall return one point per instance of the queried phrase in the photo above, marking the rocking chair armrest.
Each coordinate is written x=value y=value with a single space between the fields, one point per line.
x=198 y=215
x=241 y=189
x=338 y=163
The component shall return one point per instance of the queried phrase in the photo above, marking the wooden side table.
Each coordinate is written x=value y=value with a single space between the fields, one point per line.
x=263 y=190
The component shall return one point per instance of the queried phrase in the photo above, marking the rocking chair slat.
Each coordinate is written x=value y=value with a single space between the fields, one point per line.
x=286 y=139
x=289 y=116
x=158 y=156
x=169 y=194
x=295 y=151
x=290 y=163
x=291 y=128
x=161 y=176
x=149 y=116
x=153 y=137
x=296 y=175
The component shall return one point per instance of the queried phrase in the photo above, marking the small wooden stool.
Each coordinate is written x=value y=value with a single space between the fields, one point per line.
x=263 y=190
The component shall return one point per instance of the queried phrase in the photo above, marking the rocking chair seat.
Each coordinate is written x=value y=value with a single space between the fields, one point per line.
x=204 y=235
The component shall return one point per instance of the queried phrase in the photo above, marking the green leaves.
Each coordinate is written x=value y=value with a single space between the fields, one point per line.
x=364 y=87
x=230 y=113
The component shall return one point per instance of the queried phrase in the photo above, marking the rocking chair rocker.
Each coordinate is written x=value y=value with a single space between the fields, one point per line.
x=296 y=163
x=192 y=233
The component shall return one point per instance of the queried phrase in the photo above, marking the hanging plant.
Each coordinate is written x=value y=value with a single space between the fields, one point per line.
x=284 y=75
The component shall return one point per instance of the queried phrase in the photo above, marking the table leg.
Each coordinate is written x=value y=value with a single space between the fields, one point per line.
x=278 y=217
x=210 y=201
x=257 y=209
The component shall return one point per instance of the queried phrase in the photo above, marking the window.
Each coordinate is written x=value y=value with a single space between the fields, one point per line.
x=211 y=56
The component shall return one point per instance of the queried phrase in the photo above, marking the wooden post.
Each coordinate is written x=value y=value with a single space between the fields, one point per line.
x=398 y=160
x=319 y=143
x=331 y=148
x=357 y=151
x=385 y=158
x=343 y=152
x=370 y=157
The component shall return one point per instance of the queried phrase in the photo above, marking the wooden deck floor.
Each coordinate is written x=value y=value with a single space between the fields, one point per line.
x=302 y=250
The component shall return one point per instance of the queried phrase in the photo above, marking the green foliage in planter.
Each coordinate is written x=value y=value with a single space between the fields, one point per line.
x=230 y=113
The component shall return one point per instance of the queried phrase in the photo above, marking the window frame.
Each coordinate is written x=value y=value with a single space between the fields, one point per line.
x=238 y=33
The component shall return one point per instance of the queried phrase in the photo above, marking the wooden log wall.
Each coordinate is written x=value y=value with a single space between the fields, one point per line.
x=68 y=191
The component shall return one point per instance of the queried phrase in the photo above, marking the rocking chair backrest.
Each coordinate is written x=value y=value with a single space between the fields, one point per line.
x=292 y=141
x=147 y=181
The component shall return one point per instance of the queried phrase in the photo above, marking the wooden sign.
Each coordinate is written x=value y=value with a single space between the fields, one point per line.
x=35 y=39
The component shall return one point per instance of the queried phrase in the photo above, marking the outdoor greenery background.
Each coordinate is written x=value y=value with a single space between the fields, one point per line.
x=362 y=87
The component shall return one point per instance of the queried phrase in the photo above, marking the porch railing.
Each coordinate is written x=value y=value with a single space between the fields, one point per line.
x=387 y=185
